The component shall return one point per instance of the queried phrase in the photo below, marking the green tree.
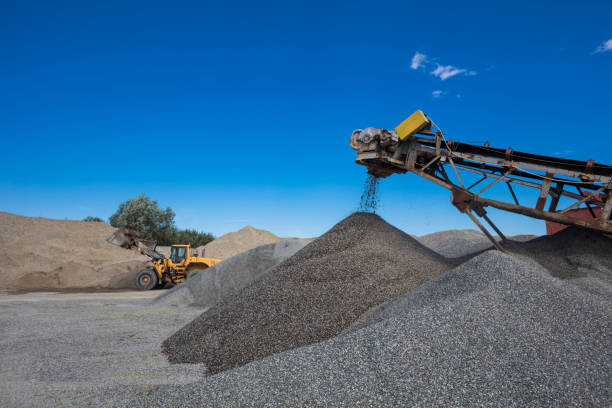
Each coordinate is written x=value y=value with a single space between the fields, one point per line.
x=155 y=224
x=89 y=218
x=147 y=217
x=193 y=237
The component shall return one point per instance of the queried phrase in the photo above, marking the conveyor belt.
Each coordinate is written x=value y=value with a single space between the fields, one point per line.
x=566 y=164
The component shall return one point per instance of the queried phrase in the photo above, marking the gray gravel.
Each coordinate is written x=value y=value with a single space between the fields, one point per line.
x=205 y=288
x=497 y=331
x=458 y=243
x=78 y=350
x=361 y=262
x=571 y=253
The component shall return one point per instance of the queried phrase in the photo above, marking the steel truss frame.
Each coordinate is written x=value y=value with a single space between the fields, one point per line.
x=428 y=153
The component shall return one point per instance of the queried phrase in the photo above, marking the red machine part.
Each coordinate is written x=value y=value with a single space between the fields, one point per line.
x=578 y=213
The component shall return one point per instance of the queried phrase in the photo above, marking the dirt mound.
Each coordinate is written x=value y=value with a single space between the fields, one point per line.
x=236 y=242
x=361 y=262
x=206 y=288
x=41 y=253
x=496 y=331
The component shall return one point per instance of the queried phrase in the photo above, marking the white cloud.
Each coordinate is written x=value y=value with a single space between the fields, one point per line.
x=422 y=61
x=418 y=60
x=605 y=46
x=446 y=71
x=437 y=93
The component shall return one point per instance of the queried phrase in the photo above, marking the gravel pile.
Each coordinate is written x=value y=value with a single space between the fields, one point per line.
x=573 y=252
x=582 y=256
x=206 y=288
x=458 y=243
x=496 y=331
x=312 y=296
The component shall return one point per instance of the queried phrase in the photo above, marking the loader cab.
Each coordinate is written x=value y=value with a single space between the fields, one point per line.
x=178 y=253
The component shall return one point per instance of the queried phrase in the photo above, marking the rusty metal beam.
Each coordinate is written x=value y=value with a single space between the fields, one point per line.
x=545 y=215
x=443 y=172
x=450 y=159
x=488 y=220
x=497 y=180
x=556 y=197
x=432 y=161
x=433 y=179
x=512 y=192
x=476 y=183
x=585 y=199
x=587 y=203
x=544 y=191
x=468 y=211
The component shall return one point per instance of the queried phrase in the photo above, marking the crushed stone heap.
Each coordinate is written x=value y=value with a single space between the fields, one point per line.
x=205 y=288
x=314 y=295
x=496 y=331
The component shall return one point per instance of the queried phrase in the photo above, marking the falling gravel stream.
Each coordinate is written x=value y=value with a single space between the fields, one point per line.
x=369 y=196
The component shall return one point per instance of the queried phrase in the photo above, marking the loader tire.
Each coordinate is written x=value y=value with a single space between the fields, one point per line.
x=146 y=279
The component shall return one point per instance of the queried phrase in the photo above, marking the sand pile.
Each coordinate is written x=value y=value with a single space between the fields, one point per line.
x=205 y=288
x=42 y=253
x=496 y=331
x=312 y=296
x=236 y=242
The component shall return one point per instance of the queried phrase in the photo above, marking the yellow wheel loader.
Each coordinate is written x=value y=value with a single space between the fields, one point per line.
x=162 y=271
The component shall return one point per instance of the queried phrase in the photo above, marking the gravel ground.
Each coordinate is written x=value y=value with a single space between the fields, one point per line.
x=361 y=262
x=497 y=331
x=78 y=350
x=205 y=288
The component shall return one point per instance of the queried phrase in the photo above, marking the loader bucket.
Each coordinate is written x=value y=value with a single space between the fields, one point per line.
x=125 y=237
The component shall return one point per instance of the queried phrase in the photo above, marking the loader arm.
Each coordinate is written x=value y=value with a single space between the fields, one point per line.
x=418 y=146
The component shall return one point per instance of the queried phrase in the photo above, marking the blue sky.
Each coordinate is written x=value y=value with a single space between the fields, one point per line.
x=239 y=113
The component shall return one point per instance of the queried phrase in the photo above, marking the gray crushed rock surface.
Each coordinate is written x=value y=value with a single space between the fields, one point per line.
x=207 y=287
x=86 y=350
x=459 y=243
x=456 y=243
x=497 y=331
x=569 y=254
x=312 y=296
